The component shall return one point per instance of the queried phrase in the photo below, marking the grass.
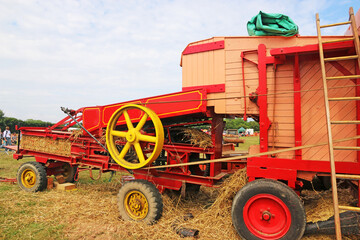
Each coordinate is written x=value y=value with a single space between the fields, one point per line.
x=251 y=140
x=91 y=211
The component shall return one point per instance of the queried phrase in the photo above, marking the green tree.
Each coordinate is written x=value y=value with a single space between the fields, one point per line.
x=239 y=122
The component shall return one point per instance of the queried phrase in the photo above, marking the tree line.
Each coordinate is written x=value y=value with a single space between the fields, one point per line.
x=239 y=122
x=12 y=122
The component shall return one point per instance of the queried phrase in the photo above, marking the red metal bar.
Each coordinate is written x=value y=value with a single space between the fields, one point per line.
x=297 y=107
x=204 y=47
x=303 y=165
x=313 y=48
x=357 y=82
x=215 y=88
x=262 y=99
x=217 y=127
x=243 y=78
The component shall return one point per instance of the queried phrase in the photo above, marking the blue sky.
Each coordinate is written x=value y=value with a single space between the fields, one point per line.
x=87 y=52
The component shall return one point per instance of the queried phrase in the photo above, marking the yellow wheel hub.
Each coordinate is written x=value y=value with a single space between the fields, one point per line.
x=134 y=136
x=28 y=178
x=136 y=205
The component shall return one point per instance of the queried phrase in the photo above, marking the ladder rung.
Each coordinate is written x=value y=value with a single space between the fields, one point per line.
x=338 y=40
x=348 y=176
x=345 y=122
x=344 y=99
x=341 y=58
x=335 y=24
x=343 y=77
x=347 y=148
x=348 y=208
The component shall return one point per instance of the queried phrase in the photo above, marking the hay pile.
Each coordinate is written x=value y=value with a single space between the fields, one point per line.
x=197 y=137
x=46 y=144
x=92 y=211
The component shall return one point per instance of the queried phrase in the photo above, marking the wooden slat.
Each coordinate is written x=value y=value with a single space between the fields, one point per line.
x=348 y=176
x=345 y=122
x=344 y=99
x=347 y=148
x=348 y=208
x=338 y=40
x=343 y=77
x=335 y=24
x=341 y=58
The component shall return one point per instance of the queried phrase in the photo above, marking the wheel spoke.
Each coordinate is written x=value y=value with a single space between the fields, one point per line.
x=139 y=152
x=118 y=133
x=142 y=122
x=147 y=138
x=124 y=150
x=128 y=120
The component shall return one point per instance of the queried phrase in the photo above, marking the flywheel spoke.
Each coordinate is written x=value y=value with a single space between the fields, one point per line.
x=147 y=138
x=139 y=152
x=128 y=120
x=142 y=122
x=124 y=150
x=118 y=133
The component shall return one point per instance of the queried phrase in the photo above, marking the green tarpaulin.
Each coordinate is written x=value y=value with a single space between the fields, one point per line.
x=271 y=24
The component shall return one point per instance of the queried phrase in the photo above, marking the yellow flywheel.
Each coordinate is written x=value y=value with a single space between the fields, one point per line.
x=134 y=136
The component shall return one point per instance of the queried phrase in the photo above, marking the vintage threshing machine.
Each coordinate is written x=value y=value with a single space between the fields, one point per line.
x=275 y=80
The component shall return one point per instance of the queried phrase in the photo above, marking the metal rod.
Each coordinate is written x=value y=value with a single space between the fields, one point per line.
x=252 y=155
x=66 y=111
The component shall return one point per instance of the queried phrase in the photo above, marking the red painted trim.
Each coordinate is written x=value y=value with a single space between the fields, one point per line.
x=297 y=107
x=215 y=88
x=301 y=165
x=242 y=55
x=204 y=47
x=311 y=48
x=262 y=99
x=357 y=81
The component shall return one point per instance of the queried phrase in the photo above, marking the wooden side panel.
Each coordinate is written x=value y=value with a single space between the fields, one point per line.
x=313 y=111
x=225 y=67
x=206 y=68
x=281 y=106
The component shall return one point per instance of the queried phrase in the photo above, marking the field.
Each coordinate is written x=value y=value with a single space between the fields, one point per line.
x=253 y=140
x=91 y=212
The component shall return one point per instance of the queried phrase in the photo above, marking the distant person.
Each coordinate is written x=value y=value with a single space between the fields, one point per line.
x=13 y=139
x=7 y=138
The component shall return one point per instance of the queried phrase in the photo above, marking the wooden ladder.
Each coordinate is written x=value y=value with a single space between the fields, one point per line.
x=334 y=176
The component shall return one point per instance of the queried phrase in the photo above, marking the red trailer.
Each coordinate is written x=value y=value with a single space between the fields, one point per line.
x=276 y=80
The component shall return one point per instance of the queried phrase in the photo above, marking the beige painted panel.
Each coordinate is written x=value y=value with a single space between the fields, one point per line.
x=224 y=66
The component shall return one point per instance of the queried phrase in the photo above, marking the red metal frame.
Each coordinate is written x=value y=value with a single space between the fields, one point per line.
x=204 y=47
x=297 y=107
x=192 y=103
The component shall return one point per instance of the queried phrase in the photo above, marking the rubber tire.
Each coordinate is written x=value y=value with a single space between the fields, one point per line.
x=275 y=188
x=152 y=195
x=41 y=177
x=70 y=178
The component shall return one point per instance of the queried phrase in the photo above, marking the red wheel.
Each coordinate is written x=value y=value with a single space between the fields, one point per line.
x=268 y=209
x=267 y=217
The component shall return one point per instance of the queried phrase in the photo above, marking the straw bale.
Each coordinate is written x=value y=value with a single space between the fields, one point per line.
x=197 y=137
x=46 y=144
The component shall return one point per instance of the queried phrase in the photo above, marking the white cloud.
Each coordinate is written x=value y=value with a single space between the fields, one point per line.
x=84 y=53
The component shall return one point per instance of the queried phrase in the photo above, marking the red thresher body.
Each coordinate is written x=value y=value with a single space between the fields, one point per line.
x=275 y=80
